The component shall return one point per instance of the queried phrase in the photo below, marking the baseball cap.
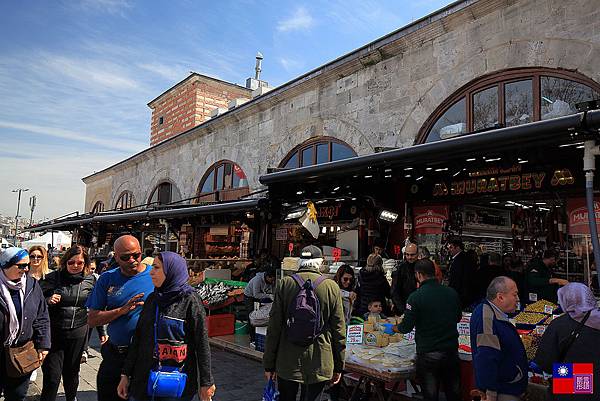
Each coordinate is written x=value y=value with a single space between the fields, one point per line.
x=311 y=252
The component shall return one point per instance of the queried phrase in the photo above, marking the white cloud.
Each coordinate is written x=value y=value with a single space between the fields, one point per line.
x=106 y=6
x=300 y=20
x=290 y=65
x=173 y=73
x=97 y=71
x=61 y=133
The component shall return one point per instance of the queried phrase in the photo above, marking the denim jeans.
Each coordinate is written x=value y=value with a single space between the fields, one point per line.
x=13 y=389
x=109 y=373
x=435 y=369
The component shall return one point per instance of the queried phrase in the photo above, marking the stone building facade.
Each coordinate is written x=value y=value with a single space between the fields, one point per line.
x=381 y=95
x=190 y=103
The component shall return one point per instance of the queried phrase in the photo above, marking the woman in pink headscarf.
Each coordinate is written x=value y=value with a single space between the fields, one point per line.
x=560 y=345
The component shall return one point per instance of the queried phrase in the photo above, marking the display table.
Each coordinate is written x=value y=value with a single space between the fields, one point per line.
x=379 y=379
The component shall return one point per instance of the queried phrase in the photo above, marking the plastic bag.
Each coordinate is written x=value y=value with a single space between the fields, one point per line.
x=270 y=393
x=260 y=317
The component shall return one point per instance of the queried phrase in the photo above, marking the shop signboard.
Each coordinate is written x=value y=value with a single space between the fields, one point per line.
x=503 y=180
x=355 y=334
x=578 y=216
x=430 y=219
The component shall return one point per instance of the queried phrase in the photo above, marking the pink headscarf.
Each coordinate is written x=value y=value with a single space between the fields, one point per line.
x=577 y=299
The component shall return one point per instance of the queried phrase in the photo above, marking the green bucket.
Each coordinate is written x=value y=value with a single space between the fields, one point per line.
x=241 y=328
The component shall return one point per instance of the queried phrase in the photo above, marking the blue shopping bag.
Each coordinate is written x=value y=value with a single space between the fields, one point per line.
x=270 y=393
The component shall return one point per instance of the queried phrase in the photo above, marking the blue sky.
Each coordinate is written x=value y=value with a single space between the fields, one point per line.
x=76 y=75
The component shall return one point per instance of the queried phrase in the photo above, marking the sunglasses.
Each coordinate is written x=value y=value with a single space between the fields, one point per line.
x=36 y=257
x=22 y=266
x=127 y=256
x=346 y=278
x=75 y=262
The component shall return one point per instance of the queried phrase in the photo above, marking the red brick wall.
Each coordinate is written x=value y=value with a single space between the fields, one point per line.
x=188 y=105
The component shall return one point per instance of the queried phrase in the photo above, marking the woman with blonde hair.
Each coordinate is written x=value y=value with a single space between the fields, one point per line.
x=66 y=291
x=38 y=262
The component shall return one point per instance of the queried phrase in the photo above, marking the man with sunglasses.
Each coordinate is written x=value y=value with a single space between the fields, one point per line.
x=116 y=300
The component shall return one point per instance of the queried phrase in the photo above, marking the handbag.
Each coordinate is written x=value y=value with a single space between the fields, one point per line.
x=21 y=361
x=164 y=381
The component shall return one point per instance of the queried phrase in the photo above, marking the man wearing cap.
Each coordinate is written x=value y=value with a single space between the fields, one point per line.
x=23 y=318
x=116 y=300
x=310 y=367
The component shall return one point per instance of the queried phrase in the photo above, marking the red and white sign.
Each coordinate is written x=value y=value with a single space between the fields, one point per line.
x=578 y=215
x=430 y=219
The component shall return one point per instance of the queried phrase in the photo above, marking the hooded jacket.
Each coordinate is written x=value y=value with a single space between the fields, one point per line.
x=372 y=286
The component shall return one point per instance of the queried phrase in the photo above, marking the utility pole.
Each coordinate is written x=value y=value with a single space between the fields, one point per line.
x=32 y=201
x=18 y=207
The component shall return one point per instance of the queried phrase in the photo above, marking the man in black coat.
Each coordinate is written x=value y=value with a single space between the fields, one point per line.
x=461 y=273
x=404 y=282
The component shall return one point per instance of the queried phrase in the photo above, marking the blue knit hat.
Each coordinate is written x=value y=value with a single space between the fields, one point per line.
x=10 y=256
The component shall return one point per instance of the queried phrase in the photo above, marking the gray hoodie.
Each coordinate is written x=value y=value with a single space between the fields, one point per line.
x=258 y=288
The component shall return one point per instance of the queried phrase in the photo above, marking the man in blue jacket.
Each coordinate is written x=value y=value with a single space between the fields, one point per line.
x=499 y=358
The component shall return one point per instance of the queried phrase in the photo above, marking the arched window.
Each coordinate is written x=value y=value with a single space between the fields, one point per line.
x=225 y=180
x=163 y=194
x=509 y=98
x=125 y=201
x=98 y=207
x=317 y=151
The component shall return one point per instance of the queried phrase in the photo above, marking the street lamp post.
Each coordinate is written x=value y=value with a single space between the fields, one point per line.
x=32 y=202
x=18 y=207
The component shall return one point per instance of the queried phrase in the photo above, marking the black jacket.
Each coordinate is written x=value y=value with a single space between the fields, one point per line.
x=462 y=278
x=404 y=283
x=372 y=286
x=196 y=364
x=70 y=312
x=36 y=324
x=583 y=350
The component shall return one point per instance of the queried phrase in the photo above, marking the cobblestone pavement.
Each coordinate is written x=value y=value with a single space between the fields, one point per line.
x=237 y=378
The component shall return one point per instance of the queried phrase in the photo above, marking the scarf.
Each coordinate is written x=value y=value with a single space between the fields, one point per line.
x=176 y=279
x=577 y=299
x=5 y=286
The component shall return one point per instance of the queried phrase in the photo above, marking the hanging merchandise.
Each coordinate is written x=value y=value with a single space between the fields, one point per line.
x=309 y=220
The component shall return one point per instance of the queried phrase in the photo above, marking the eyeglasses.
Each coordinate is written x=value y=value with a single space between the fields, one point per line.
x=22 y=266
x=75 y=262
x=127 y=256
x=36 y=257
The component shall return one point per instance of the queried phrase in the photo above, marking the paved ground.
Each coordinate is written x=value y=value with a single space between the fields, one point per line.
x=237 y=378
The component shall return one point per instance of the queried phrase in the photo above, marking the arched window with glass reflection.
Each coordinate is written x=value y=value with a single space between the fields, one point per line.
x=507 y=99
x=224 y=180
x=317 y=151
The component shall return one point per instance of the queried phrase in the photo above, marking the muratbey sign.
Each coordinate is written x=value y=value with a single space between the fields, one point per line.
x=501 y=180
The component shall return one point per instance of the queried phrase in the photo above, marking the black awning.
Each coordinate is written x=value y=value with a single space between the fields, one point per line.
x=190 y=210
x=556 y=131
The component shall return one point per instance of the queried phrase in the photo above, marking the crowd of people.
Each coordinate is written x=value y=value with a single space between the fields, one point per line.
x=151 y=322
x=46 y=319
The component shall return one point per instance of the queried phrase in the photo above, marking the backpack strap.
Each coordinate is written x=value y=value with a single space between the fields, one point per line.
x=298 y=280
x=318 y=281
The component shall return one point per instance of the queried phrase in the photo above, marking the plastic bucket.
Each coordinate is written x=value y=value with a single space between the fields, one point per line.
x=241 y=328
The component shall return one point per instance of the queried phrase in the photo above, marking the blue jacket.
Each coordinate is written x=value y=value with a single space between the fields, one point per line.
x=36 y=323
x=499 y=357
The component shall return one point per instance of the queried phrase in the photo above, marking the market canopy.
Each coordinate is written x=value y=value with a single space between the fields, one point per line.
x=542 y=134
x=58 y=239
x=151 y=214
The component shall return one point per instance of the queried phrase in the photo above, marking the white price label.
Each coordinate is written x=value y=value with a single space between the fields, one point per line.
x=540 y=330
x=548 y=309
x=464 y=329
x=533 y=297
x=354 y=334
x=410 y=336
x=518 y=306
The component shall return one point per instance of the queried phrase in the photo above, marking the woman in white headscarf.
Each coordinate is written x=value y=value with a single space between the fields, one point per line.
x=559 y=344
x=23 y=318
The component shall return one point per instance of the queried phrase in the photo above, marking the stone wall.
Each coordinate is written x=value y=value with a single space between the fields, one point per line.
x=379 y=96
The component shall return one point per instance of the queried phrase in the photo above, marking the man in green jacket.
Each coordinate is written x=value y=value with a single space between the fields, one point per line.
x=540 y=283
x=310 y=367
x=433 y=311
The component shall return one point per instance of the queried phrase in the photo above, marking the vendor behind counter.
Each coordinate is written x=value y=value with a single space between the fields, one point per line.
x=540 y=280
